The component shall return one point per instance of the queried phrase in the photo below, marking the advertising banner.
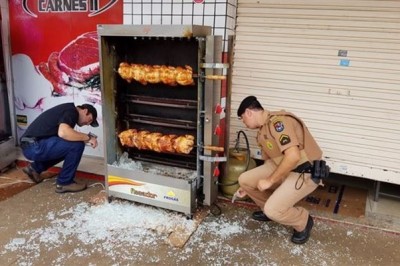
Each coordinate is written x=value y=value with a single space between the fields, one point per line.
x=55 y=56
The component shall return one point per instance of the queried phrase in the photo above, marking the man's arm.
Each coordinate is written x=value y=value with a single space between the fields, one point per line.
x=68 y=133
x=290 y=159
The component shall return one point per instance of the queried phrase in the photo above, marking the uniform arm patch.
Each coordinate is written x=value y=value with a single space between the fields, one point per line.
x=284 y=139
x=278 y=125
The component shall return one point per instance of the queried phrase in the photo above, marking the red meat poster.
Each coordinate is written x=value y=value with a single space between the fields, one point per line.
x=55 y=55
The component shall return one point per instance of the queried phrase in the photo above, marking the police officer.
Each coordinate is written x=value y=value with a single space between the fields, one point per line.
x=289 y=150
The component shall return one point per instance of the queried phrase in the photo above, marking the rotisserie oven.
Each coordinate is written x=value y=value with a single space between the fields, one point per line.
x=160 y=86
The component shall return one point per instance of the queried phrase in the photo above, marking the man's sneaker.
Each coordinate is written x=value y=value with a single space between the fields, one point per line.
x=260 y=216
x=32 y=174
x=73 y=187
x=302 y=237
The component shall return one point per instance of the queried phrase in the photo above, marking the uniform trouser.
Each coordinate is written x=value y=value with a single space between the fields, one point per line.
x=46 y=153
x=279 y=206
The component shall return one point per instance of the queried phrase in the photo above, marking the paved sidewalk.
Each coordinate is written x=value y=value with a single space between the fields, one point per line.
x=41 y=227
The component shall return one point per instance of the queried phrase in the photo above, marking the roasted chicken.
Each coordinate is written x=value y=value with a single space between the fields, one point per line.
x=168 y=75
x=155 y=141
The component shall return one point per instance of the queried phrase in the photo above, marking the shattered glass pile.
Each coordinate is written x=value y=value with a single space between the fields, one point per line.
x=127 y=163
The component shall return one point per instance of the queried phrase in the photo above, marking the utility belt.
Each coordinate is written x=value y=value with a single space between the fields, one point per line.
x=319 y=170
x=27 y=141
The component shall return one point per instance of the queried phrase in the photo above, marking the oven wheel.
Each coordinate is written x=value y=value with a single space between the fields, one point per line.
x=189 y=216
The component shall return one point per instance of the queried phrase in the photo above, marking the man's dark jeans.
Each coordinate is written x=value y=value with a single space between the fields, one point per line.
x=48 y=152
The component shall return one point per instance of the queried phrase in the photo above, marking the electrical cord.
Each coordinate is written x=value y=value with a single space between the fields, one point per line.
x=98 y=183
x=214 y=208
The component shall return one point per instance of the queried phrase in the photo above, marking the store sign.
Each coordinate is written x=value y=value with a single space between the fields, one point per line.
x=94 y=7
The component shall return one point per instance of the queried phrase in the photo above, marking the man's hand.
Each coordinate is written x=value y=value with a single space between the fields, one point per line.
x=68 y=133
x=93 y=142
x=264 y=184
x=290 y=159
x=240 y=193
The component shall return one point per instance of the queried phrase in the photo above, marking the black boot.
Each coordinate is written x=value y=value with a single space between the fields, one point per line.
x=302 y=237
x=260 y=216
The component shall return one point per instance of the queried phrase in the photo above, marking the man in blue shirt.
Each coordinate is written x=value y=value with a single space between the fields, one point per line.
x=51 y=138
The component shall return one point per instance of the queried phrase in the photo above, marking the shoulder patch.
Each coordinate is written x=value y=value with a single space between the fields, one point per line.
x=278 y=125
x=284 y=139
x=275 y=118
x=270 y=146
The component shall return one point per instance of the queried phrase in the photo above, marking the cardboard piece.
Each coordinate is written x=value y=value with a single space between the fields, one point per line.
x=180 y=236
x=353 y=202
x=337 y=199
x=322 y=199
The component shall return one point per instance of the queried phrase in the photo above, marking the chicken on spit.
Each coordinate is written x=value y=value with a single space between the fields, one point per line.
x=168 y=75
x=155 y=141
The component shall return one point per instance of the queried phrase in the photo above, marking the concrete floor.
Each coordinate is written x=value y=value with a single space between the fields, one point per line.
x=41 y=227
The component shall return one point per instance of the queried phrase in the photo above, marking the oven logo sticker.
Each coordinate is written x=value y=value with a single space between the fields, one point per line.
x=143 y=194
x=94 y=7
x=171 y=196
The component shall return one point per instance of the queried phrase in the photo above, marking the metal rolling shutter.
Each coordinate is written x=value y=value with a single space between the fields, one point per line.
x=336 y=64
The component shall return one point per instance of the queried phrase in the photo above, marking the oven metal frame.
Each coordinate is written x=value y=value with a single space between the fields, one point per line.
x=178 y=194
x=8 y=150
